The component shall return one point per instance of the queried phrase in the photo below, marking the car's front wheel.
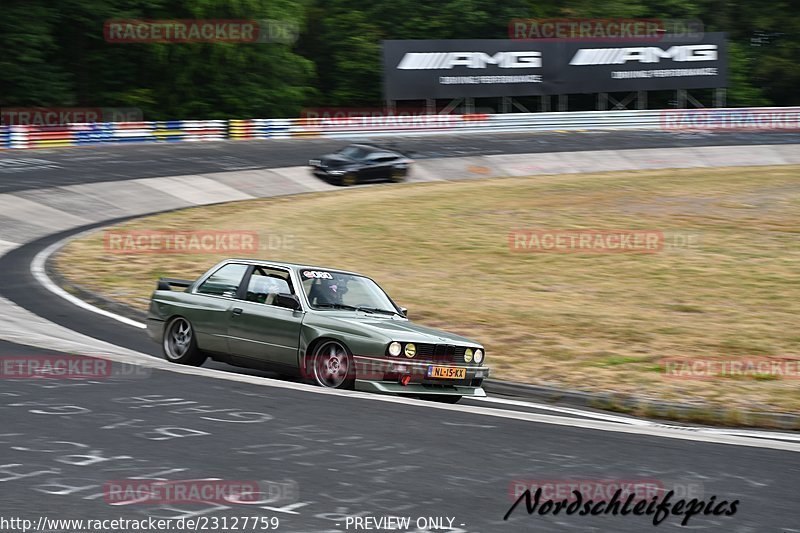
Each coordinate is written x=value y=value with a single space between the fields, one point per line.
x=351 y=178
x=398 y=175
x=180 y=344
x=332 y=365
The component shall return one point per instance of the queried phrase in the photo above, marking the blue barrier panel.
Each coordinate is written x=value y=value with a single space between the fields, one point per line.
x=93 y=133
x=169 y=124
x=5 y=137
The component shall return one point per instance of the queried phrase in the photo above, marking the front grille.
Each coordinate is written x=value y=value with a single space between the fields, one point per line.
x=440 y=353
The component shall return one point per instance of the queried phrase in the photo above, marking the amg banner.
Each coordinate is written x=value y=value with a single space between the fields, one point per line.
x=636 y=66
x=416 y=70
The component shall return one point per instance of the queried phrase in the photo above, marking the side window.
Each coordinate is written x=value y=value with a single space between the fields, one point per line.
x=225 y=281
x=266 y=283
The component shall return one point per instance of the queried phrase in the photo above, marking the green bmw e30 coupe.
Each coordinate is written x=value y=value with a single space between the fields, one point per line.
x=334 y=328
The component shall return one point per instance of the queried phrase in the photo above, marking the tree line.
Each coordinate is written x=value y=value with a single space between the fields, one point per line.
x=55 y=54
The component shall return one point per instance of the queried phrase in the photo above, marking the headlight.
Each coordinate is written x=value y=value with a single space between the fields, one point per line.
x=313 y=162
x=468 y=355
x=479 y=356
x=336 y=172
x=395 y=348
x=411 y=350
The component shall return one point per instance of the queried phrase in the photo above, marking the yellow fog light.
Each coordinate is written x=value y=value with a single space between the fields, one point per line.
x=468 y=355
x=411 y=350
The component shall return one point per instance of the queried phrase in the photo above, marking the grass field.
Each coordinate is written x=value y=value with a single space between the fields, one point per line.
x=725 y=284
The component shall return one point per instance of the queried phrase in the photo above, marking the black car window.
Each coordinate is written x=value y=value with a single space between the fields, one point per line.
x=354 y=152
x=225 y=281
x=266 y=283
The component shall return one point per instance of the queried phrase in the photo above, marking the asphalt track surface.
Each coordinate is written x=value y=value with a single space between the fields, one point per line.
x=319 y=458
x=31 y=169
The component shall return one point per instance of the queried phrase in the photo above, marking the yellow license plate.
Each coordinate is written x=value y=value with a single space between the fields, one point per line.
x=446 y=372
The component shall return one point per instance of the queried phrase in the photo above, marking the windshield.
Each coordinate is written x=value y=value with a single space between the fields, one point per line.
x=354 y=152
x=335 y=290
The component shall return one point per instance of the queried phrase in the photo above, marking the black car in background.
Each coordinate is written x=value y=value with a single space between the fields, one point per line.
x=358 y=163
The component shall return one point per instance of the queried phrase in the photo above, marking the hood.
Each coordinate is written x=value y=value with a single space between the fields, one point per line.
x=397 y=329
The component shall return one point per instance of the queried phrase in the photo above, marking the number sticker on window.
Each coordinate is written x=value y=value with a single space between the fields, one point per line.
x=317 y=274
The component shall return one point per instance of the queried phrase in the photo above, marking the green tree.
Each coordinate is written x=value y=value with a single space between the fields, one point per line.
x=30 y=76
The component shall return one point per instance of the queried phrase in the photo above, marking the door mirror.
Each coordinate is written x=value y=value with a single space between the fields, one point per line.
x=289 y=301
x=404 y=311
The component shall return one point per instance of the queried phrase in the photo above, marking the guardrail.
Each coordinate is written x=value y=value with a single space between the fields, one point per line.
x=750 y=119
x=30 y=136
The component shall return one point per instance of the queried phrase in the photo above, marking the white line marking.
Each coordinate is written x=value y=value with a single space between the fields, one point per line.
x=40 y=274
x=751 y=433
x=639 y=422
x=567 y=410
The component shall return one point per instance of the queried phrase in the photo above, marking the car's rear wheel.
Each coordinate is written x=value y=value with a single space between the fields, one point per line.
x=349 y=179
x=180 y=344
x=332 y=365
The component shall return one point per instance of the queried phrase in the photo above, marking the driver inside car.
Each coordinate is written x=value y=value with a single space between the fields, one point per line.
x=327 y=292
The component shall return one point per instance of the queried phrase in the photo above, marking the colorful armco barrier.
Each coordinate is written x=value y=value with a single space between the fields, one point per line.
x=347 y=127
x=29 y=136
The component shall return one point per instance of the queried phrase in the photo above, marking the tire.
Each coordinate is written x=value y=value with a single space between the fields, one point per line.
x=349 y=179
x=180 y=345
x=332 y=365
x=442 y=398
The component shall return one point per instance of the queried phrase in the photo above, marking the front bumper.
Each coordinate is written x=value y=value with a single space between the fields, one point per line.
x=393 y=387
x=326 y=173
x=399 y=376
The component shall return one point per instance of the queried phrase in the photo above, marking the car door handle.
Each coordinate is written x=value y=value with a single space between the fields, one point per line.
x=237 y=310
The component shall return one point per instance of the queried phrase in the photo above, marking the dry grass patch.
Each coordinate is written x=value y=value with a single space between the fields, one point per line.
x=588 y=321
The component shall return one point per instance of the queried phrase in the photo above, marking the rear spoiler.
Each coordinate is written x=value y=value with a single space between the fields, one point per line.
x=165 y=284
